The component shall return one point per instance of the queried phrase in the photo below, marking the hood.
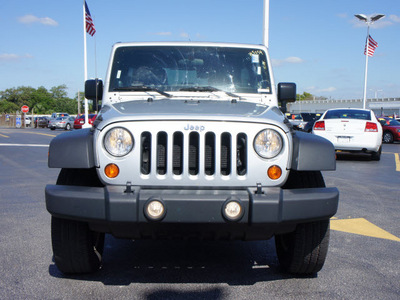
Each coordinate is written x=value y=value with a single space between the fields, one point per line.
x=167 y=109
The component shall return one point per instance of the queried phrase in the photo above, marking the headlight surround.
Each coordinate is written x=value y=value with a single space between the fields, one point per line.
x=118 y=141
x=268 y=143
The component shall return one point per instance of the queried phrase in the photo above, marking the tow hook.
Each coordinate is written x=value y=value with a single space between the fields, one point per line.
x=128 y=189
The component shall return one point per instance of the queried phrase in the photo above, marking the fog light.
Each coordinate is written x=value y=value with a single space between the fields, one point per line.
x=154 y=210
x=111 y=170
x=274 y=172
x=232 y=210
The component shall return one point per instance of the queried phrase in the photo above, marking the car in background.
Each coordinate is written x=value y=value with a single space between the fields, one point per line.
x=28 y=121
x=62 y=123
x=391 y=129
x=310 y=118
x=351 y=130
x=42 y=122
x=59 y=114
x=81 y=120
x=300 y=121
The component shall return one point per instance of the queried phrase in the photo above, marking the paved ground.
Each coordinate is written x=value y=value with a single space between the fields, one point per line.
x=359 y=266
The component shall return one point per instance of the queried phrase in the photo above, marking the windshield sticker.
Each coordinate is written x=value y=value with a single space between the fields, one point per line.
x=258 y=70
x=255 y=58
x=119 y=74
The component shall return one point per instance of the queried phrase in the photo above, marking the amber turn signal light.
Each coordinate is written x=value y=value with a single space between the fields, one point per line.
x=274 y=172
x=111 y=170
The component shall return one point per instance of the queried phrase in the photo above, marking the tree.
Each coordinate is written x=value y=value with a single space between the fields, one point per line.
x=8 y=107
x=304 y=96
x=40 y=100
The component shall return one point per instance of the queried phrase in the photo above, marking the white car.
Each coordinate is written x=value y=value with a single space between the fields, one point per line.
x=351 y=129
x=28 y=121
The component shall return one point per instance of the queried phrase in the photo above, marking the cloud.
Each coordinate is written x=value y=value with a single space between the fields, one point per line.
x=327 y=90
x=30 y=19
x=163 y=33
x=316 y=90
x=13 y=57
x=184 y=35
x=288 y=60
x=394 y=18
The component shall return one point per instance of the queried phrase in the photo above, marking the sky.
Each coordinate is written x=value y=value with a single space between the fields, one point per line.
x=318 y=44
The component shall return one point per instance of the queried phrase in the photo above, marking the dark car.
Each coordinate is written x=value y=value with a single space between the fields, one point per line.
x=81 y=120
x=311 y=119
x=391 y=129
x=303 y=121
x=41 y=122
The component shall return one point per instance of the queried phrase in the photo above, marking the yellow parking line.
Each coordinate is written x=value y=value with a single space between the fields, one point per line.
x=397 y=160
x=4 y=135
x=53 y=135
x=363 y=227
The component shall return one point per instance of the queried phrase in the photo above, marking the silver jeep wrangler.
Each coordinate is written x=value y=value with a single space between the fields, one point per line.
x=190 y=142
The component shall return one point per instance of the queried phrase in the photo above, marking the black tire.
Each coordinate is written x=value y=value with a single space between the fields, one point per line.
x=76 y=248
x=304 y=250
x=376 y=155
x=387 y=137
x=68 y=127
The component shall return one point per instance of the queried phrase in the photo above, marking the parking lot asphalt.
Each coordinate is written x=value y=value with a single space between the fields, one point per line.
x=362 y=263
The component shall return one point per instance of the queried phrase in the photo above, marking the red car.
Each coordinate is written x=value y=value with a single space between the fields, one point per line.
x=81 y=120
x=391 y=129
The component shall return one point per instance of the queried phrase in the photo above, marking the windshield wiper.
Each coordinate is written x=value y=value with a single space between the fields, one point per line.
x=142 y=88
x=207 y=89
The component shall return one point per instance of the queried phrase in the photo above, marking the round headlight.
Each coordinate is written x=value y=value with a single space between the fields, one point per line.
x=268 y=143
x=118 y=141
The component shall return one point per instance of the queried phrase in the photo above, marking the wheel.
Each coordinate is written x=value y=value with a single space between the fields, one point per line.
x=304 y=250
x=52 y=128
x=387 y=137
x=76 y=248
x=68 y=127
x=377 y=155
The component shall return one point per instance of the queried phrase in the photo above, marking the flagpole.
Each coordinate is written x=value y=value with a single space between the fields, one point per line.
x=266 y=24
x=85 y=62
x=368 y=21
x=366 y=69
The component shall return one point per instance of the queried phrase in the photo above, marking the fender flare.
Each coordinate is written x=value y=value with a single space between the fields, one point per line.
x=312 y=153
x=72 y=150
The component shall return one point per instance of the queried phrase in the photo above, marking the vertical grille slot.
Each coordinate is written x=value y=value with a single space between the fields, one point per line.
x=145 y=153
x=241 y=154
x=177 y=156
x=209 y=154
x=162 y=153
x=194 y=140
x=226 y=147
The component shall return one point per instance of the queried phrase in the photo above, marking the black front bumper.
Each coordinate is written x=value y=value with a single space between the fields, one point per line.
x=112 y=209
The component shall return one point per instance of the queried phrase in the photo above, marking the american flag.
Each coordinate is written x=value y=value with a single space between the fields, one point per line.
x=372 y=45
x=89 y=22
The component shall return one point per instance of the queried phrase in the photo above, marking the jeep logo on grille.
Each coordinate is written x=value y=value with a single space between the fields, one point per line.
x=199 y=128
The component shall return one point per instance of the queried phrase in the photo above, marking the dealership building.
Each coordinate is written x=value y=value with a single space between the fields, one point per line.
x=381 y=107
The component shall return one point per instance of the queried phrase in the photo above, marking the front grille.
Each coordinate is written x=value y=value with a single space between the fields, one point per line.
x=193 y=153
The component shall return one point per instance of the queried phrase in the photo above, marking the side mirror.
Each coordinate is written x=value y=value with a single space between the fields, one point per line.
x=94 y=89
x=287 y=91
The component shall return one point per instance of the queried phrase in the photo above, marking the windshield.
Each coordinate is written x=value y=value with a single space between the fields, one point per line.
x=389 y=122
x=175 y=68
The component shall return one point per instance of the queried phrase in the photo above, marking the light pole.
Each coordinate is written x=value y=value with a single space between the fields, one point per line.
x=369 y=21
